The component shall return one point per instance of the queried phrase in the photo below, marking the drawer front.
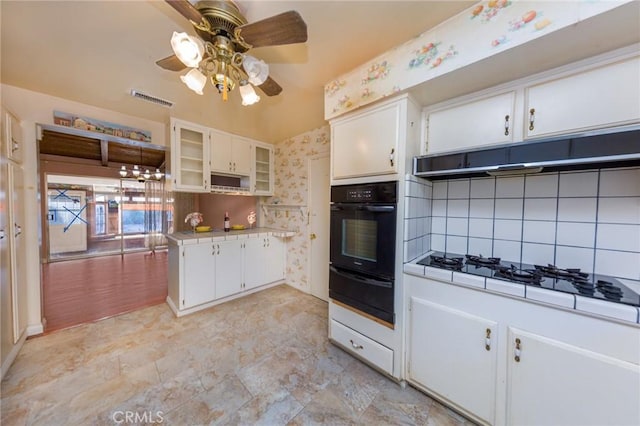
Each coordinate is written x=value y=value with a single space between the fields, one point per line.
x=375 y=353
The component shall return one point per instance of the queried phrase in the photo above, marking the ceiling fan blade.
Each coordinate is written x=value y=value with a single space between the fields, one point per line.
x=270 y=87
x=285 y=28
x=171 y=63
x=186 y=9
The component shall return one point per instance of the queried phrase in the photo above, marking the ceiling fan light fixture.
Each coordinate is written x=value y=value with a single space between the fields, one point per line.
x=158 y=174
x=249 y=95
x=257 y=70
x=194 y=80
x=146 y=174
x=188 y=49
x=222 y=82
x=123 y=171
x=136 y=171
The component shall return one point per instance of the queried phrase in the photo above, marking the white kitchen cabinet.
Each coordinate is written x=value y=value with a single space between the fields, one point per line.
x=264 y=261
x=448 y=347
x=228 y=266
x=263 y=172
x=604 y=96
x=480 y=122
x=572 y=369
x=12 y=139
x=554 y=383
x=189 y=156
x=230 y=154
x=366 y=143
x=198 y=274
x=207 y=271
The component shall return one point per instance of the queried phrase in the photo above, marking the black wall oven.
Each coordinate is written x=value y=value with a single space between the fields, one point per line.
x=363 y=247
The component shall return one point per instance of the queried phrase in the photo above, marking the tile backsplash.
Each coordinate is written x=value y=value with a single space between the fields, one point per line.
x=583 y=219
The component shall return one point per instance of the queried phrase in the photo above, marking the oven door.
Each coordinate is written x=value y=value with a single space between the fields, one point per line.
x=363 y=238
x=368 y=294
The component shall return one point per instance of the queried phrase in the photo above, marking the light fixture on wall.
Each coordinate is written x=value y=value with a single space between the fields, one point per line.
x=218 y=62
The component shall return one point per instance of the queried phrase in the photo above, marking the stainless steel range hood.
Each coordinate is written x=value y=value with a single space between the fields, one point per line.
x=619 y=148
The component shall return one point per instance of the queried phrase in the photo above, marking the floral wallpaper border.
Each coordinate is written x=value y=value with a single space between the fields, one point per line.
x=483 y=30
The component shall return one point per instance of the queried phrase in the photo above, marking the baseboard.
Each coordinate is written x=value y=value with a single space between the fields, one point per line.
x=35 y=329
x=6 y=363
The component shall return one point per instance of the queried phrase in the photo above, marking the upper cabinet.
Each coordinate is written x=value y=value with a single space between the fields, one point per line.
x=189 y=156
x=262 y=176
x=13 y=143
x=197 y=152
x=230 y=154
x=591 y=95
x=605 y=96
x=373 y=141
x=484 y=121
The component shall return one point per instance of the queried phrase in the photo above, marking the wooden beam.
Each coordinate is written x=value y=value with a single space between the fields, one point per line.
x=104 y=151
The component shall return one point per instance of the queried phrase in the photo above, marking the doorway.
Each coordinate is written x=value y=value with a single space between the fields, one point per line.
x=319 y=198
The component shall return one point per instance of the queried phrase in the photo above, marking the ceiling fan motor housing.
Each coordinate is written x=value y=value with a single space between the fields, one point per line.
x=224 y=17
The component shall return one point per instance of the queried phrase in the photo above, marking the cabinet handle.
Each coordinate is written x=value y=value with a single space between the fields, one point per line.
x=391 y=156
x=355 y=345
x=14 y=145
x=487 y=340
x=213 y=249
x=517 y=350
x=268 y=242
x=230 y=169
x=234 y=166
x=1 y=234
x=532 y=118
x=218 y=245
x=506 y=125
x=18 y=229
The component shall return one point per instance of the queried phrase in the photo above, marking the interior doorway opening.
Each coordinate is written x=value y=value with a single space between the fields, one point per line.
x=96 y=216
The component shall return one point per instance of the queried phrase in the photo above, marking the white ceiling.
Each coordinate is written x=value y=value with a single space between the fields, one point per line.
x=95 y=52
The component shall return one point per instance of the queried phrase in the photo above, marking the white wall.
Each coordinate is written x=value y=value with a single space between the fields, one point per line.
x=36 y=108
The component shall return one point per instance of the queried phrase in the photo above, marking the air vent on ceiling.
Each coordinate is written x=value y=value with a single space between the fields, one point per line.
x=152 y=99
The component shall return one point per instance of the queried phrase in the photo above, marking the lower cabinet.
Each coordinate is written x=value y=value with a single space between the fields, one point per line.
x=509 y=362
x=203 y=272
x=264 y=258
x=551 y=382
x=228 y=267
x=449 y=348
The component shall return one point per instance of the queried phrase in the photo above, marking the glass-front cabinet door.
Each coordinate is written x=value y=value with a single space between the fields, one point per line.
x=189 y=157
x=263 y=170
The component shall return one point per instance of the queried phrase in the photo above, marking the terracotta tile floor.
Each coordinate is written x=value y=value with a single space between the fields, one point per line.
x=261 y=359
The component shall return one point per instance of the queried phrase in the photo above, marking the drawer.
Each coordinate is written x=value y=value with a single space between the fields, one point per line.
x=378 y=355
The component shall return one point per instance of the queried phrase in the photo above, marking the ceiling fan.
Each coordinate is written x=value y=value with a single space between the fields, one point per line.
x=219 y=54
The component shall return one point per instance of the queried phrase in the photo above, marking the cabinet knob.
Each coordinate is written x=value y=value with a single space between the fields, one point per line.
x=312 y=236
x=517 y=351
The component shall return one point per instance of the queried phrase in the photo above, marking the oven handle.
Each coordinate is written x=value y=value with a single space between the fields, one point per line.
x=374 y=209
x=360 y=278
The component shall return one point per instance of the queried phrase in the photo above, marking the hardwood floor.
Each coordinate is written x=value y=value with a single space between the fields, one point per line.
x=85 y=290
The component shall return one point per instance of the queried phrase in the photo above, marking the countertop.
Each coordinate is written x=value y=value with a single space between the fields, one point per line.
x=190 y=237
x=610 y=309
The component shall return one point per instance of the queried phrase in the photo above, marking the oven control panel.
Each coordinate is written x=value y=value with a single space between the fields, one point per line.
x=382 y=192
x=360 y=195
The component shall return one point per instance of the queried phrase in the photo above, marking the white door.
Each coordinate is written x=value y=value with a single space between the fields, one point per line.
x=448 y=347
x=67 y=219
x=550 y=381
x=199 y=270
x=16 y=239
x=319 y=198
x=228 y=258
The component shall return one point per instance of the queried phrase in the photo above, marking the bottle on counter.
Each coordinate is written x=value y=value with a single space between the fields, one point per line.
x=227 y=222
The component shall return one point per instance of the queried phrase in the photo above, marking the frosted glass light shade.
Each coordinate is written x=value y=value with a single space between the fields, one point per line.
x=123 y=171
x=257 y=70
x=188 y=49
x=194 y=80
x=249 y=96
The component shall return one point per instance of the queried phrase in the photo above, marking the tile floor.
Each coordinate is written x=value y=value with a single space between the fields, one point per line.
x=261 y=359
